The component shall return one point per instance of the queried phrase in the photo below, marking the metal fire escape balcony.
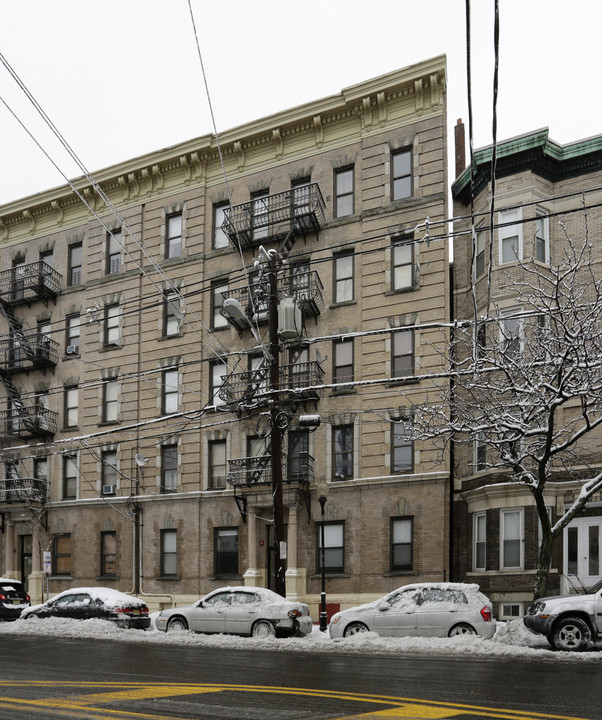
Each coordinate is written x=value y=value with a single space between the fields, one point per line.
x=23 y=491
x=249 y=388
x=28 y=352
x=28 y=421
x=27 y=283
x=306 y=287
x=254 y=471
x=273 y=217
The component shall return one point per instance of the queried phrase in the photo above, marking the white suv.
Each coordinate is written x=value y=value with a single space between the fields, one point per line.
x=570 y=622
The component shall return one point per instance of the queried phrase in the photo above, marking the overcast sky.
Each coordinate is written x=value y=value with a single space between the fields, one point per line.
x=120 y=78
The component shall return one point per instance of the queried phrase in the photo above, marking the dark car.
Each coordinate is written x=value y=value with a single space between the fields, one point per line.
x=94 y=602
x=13 y=599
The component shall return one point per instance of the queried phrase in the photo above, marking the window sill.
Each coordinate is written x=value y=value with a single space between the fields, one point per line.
x=401 y=573
x=343 y=303
x=61 y=577
x=403 y=381
x=106 y=423
x=107 y=578
x=168 y=577
x=172 y=336
x=333 y=574
x=343 y=391
x=70 y=428
x=239 y=578
x=401 y=291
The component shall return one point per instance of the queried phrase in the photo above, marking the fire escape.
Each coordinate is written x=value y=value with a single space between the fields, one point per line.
x=23 y=352
x=281 y=219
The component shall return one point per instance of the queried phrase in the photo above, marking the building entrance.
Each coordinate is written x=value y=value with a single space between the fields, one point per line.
x=582 y=543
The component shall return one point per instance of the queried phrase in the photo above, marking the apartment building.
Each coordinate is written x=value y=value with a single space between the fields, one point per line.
x=547 y=203
x=247 y=319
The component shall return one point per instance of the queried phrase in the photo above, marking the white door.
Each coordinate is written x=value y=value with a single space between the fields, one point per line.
x=582 y=544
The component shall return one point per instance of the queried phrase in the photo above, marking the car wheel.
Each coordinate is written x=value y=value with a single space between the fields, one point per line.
x=263 y=628
x=461 y=629
x=177 y=623
x=355 y=628
x=570 y=634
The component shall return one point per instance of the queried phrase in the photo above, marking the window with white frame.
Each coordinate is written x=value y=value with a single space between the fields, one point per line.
x=542 y=237
x=402 y=544
x=110 y=400
x=510 y=235
x=71 y=406
x=342 y=452
x=173 y=235
x=342 y=371
x=171 y=313
x=111 y=325
x=479 y=557
x=73 y=334
x=402 y=447
x=220 y=239
x=113 y=259
x=260 y=213
x=402 y=265
x=334 y=547
x=218 y=290
x=401 y=174
x=169 y=553
x=69 y=477
x=218 y=371
x=343 y=192
x=109 y=471
x=169 y=468
x=402 y=353
x=343 y=278
x=511 y=538
x=480 y=252
x=217 y=465
x=170 y=391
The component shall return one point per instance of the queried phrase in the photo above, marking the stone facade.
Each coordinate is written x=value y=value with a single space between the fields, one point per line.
x=139 y=496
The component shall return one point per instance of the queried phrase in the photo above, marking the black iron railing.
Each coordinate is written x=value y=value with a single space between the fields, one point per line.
x=23 y=490
x=273 y=217
x=27 y=352
x=251 y=471
x=28 y=421
x=29 y=282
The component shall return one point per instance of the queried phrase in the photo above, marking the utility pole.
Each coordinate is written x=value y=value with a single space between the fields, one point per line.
x=276 y=432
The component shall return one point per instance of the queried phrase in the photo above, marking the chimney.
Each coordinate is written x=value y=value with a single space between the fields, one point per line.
x=460 y=147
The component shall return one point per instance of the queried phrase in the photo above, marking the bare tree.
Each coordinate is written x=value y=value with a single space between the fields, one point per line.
x=527 y=387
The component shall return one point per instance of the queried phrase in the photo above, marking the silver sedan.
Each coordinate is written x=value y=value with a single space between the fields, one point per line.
x=427 y=609
x=240 y=611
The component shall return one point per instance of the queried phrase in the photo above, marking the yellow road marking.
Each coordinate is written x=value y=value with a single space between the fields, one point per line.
x=126 y=692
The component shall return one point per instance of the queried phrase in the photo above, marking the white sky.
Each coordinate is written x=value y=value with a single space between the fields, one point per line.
x=122 y=78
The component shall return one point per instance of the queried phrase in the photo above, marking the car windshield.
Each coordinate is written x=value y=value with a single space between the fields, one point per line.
x=595 y=588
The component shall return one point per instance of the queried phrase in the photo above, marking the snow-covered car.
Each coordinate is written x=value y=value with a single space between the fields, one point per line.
x=241 y=610
x=422 y=609
x=86 y=603
x=13 y=599
x=569 y=622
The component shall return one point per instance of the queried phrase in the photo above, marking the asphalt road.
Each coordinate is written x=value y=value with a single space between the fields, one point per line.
x=96 y=679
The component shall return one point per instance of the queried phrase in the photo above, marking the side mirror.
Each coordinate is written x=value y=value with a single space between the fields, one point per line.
x=384 y=606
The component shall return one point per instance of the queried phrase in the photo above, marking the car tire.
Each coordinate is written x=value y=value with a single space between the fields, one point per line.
x=177 y=623
x=355 y=628
x=461 y=629
x=263 y=629
x=570 y=634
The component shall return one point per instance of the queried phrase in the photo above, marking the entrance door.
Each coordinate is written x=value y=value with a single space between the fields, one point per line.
x=25 y=559
x=582 y=548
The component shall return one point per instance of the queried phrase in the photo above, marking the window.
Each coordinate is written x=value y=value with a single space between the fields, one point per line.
x=109 y=471
x=402 y=544
x=542 y=237
x=61 y=555
x=403 y=264
x=218 y=290
x=113 y=261
x=343 y=192
x=18 y=279
x=299 y=376
x=171 y=313
x=402 y=348
x=301 y=196
x=334 y=547
x=71 y=407
x=511 y=539
x=69 y=477
x=511 y=332
x=343 y=361
x=342 y=452
x=299 y=469
x=479 y=542
x=110 y=400
x=169 y=554
x=260 y=213
x=226 y=551
x=40 y=468
x=217 y=464
x=108 y=554
x=74 y=271
x=402 y=450
x=173 y=235
x=480 y=452
x=73 y=334
x=169 y=468
x=401 y=176
x=218 y=370
x=343 y=278
x=480 y=253
x=510 y=236
x=170 y=391
x=220 y=239
x=111 y=325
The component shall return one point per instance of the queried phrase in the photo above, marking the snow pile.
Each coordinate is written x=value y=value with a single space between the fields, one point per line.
x=511 y=640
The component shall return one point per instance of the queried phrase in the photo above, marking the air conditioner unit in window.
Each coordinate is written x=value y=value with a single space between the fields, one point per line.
x=108 y=489
x=72 y=349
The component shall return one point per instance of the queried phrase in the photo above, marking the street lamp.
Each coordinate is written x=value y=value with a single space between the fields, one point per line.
x=323 y=489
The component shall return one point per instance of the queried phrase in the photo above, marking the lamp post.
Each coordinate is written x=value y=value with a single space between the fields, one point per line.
x=323 y=489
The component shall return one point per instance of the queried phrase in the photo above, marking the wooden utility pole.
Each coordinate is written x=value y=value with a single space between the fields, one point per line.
x=276 y=433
